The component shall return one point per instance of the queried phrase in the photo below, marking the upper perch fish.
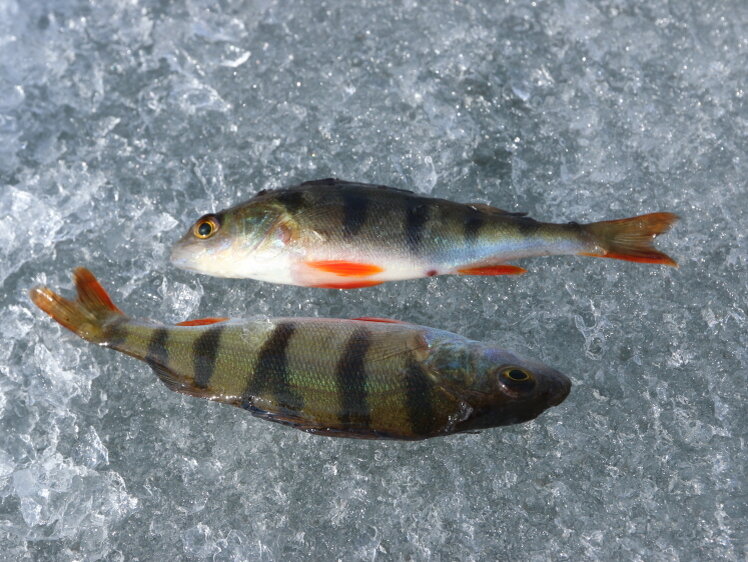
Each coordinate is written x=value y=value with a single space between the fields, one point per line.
x=336 y=234
x=364 y=378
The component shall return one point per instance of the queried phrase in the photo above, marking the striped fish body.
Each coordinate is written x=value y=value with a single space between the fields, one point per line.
x=348 y=378
x=332 y=233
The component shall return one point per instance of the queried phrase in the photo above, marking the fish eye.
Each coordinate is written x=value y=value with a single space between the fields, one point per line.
x=516 y=378
x=206 y=227
x=516 y=375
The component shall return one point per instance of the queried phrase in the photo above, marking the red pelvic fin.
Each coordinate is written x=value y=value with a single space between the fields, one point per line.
x=504 y=269
x=347 y=285
x=346 y=268
x=201 y=322
x=384 y=320
x=631 y=239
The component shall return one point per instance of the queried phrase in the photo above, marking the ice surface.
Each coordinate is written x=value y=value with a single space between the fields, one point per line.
x=121 y=122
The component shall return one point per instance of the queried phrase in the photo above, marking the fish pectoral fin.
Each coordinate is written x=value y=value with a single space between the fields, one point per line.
x=495 y=210
x=201 y=321
x=389 y=344
x=495 y=269
x=283 y=229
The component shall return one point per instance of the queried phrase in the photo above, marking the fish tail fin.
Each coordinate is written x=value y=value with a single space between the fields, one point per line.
x=631 y=239
x=88 y=314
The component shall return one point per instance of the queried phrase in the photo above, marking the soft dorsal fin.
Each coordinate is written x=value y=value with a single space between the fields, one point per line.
x=495 y=210
x=201 y=322
x=325 y=181
x=383 y=320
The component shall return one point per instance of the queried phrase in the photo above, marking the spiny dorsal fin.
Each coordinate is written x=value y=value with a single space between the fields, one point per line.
x=335 y=182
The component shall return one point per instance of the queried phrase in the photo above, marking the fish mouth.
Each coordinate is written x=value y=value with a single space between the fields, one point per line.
x=560 y=388
x=178 y=259
x=187 y=258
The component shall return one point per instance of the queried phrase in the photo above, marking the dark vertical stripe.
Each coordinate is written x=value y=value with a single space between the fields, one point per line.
x=416 y=215
x=116 y=332
x=204 y=353
x=418 y=399
x=292 y=200
x=473 y=223
x=158 y=354
x=350 y=375
x=527 y=226
x=355 y=206
x=271 y=379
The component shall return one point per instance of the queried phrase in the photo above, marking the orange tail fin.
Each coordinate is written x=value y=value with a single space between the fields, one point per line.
x=631 y=239
x=87 y=314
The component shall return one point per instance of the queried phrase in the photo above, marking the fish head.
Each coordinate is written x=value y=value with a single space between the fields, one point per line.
x=510 y=389
x=245 y=241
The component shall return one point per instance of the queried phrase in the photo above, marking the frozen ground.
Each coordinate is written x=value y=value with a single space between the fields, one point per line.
x=121 y=122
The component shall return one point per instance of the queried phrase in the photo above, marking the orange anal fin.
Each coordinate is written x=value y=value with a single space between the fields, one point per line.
x=384 y=320
x=347 y=285
x=201 y=322
x=656 y=257
x=346 y=268
x=493 y=270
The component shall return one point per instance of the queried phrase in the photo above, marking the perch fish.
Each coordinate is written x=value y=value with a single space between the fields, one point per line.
x=365 y=378
x=337 y=234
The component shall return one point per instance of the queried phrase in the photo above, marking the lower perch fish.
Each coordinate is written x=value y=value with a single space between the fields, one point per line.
x=366 y=378
x=337 y=234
